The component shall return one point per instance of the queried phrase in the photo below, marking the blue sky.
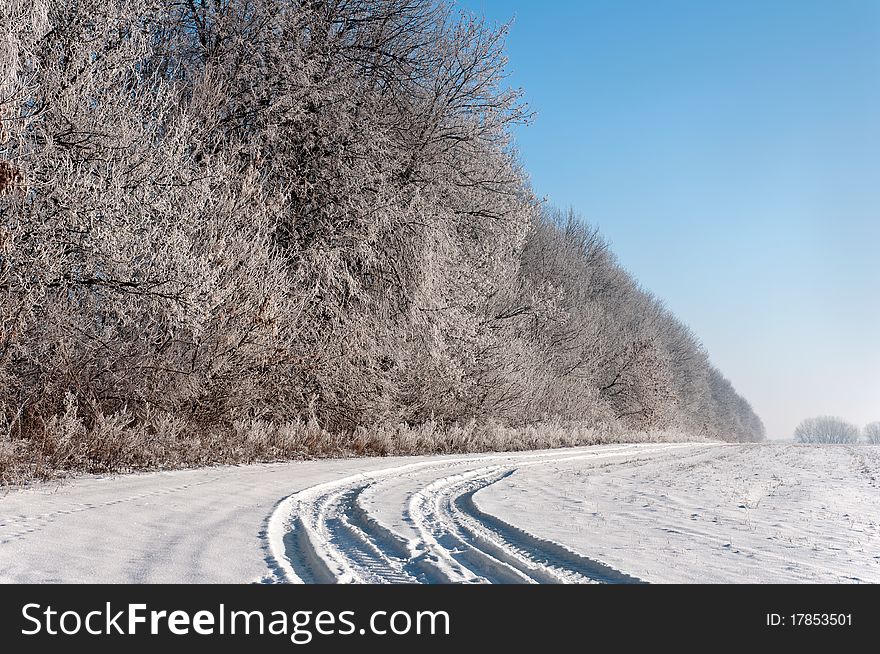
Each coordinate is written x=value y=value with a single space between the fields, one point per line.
x=730 y=152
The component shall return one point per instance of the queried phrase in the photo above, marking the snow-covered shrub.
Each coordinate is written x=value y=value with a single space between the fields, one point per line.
x=826 y=429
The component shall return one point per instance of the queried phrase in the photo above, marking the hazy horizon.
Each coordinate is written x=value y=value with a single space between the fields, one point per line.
x=730 y=154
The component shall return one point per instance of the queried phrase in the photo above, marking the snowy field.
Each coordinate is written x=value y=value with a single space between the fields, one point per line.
x=617 y=513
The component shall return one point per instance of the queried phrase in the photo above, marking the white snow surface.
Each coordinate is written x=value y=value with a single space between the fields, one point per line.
x=668 y=512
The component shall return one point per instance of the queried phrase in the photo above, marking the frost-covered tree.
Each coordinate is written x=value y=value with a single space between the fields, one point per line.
x=871 y=432
x=826 y=429
x=279 y=210
x=254 y=207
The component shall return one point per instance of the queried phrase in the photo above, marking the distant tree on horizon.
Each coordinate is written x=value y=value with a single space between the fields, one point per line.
x=872 y=433
x=826 y=429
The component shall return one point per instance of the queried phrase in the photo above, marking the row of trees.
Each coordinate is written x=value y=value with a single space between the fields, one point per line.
x=283 y=210
x=830 y=429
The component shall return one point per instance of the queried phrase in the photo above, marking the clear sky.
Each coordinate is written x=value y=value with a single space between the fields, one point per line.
x=730 y=152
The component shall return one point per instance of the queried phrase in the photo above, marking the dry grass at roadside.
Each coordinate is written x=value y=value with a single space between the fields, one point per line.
x=117 y=444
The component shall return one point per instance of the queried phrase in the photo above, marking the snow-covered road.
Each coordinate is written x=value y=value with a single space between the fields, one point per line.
x=617 y=513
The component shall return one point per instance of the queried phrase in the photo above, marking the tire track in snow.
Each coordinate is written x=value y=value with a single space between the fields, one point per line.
x=539 y=554
x=458 y=532
x=326 y=534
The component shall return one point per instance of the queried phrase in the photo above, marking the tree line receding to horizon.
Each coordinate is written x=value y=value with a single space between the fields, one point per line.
x=218 y=213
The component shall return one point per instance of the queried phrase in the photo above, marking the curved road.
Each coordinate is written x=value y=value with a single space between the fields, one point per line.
x=395 y=520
